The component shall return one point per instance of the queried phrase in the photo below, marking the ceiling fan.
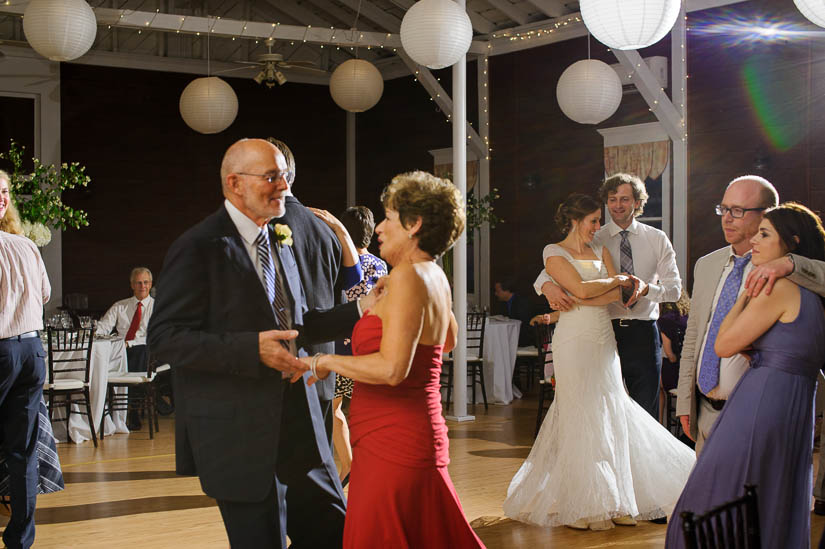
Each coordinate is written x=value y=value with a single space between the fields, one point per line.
x=271 y=65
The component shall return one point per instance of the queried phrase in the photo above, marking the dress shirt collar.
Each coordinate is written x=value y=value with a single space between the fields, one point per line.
x=613 y=229
x=732 y=254
x=248 y=229
x=133 y=301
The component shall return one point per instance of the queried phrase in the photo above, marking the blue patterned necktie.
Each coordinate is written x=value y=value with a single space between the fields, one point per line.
x=626 y=263
x=709 y=370
x=276 y=298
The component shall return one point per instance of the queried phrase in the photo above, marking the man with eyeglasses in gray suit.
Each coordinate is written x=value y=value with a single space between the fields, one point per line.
x=705 y=380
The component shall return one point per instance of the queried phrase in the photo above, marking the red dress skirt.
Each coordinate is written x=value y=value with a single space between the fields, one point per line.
x=401 y=495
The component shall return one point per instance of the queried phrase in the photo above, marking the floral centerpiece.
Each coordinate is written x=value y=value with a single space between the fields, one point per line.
x=37 y=195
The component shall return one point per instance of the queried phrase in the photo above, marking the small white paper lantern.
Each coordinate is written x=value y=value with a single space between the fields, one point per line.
x=356 y=85
x=208 y=105
x=814 y=10
x=60 y=30
x=589 y=91
x=436 y=33
x=629 y=24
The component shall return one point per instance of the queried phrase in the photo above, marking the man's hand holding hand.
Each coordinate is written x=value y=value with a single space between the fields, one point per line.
x=556 y=297
x=274 y=355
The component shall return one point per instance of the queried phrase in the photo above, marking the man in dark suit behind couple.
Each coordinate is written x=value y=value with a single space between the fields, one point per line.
x=256 y=441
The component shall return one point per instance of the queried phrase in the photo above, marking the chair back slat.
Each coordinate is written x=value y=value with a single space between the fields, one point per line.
x=476 y=322
x=70 y=353
x=732 y=524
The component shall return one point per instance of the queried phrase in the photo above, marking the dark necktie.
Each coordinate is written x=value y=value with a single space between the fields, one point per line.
x=133 y=327
x=626 y=263
x=270 y=281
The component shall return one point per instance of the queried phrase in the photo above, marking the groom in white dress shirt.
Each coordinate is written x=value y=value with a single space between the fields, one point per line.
x=646 y=253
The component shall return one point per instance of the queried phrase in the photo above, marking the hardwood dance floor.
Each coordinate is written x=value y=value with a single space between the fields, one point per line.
x=126 y=494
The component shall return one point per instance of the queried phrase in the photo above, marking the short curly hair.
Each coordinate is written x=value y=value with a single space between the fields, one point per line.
x=612 y=183
x=436 y=201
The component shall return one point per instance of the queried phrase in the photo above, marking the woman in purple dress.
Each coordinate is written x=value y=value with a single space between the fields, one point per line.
x=764 y=435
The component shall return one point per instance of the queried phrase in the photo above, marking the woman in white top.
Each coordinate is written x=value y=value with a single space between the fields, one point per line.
x=599 y=457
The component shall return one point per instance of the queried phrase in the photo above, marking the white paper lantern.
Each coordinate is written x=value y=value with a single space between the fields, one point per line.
x=60 y=30
x=814 y=10
x=208 y=105
x=589 y=91
x=436 y=33
x=629 y=24
x=356 y=85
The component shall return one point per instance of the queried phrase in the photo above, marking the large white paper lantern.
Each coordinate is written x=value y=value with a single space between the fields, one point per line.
x=589 y=91
x=629 y=24
x=814 y=10
x=356 y=85
x=208 y=105
x=60 y=30
x=436 y=33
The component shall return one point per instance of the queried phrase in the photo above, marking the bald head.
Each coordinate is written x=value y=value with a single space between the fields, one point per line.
x=253 y=179
x=766 y=193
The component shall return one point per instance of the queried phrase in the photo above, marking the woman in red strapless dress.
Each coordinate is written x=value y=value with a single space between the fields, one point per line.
x=400 y=491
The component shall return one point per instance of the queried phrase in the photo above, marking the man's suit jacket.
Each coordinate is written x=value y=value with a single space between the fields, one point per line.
x=210 y=307
x=318 y=253
x=521 y=309
x=706 y=274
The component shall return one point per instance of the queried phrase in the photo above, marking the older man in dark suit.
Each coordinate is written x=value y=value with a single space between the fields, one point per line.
x=318 y=254
x=255 y=440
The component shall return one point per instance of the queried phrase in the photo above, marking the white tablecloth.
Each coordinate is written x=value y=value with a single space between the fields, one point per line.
x=500 y=346
x=108 y=356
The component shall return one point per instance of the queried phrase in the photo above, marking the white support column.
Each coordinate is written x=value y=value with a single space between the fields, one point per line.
x=483 y=272
x=678 y=79
x=460 y=249
x=350 y=159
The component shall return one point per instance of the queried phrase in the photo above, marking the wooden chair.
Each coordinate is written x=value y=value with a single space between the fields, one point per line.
x=544 y=338
x=530 y=360
x=77 y=346
x=138 y=402
x=732 y=524
x=476 y=323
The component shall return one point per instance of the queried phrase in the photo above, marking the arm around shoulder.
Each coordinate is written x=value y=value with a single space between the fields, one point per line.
x=808 y=273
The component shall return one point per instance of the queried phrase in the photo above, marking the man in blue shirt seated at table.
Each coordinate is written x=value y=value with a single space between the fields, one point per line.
x=517 y=307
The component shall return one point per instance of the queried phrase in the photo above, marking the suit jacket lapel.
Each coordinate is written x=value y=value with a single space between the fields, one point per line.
x=291 y=279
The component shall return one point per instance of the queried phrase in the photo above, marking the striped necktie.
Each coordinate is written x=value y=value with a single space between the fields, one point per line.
x=270 y=282
x=626 y=263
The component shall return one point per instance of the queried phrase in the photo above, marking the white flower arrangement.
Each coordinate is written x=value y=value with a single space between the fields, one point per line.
x=37 y=233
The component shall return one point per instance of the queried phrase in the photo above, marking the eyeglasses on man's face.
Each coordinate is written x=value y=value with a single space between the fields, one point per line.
x=736 y=212
x=272 y=177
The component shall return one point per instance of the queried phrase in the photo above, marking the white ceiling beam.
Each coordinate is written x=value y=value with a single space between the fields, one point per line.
x=443 y=100
x=375 y=14
x=516 y=13
x=298 y=12
x=167 y=22
x=550 y=8
x=653 y=93
x=341 y=15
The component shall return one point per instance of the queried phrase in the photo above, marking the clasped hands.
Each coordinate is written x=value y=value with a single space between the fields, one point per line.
x=559 y=300
x=274 y=355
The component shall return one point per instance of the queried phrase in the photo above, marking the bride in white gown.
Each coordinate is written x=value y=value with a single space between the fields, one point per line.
x=599 y=457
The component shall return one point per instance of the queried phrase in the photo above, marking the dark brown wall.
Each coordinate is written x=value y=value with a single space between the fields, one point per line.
x=153 y=177
x=740 y=95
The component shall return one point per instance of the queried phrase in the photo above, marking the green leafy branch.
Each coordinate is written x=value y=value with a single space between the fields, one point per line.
x=37 y=195
x=480 y=210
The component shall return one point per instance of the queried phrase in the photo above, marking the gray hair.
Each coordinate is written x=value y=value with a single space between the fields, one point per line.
x=139 y=270
x=288 y=156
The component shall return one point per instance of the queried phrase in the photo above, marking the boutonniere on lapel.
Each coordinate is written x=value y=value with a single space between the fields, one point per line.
x=283 y=234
